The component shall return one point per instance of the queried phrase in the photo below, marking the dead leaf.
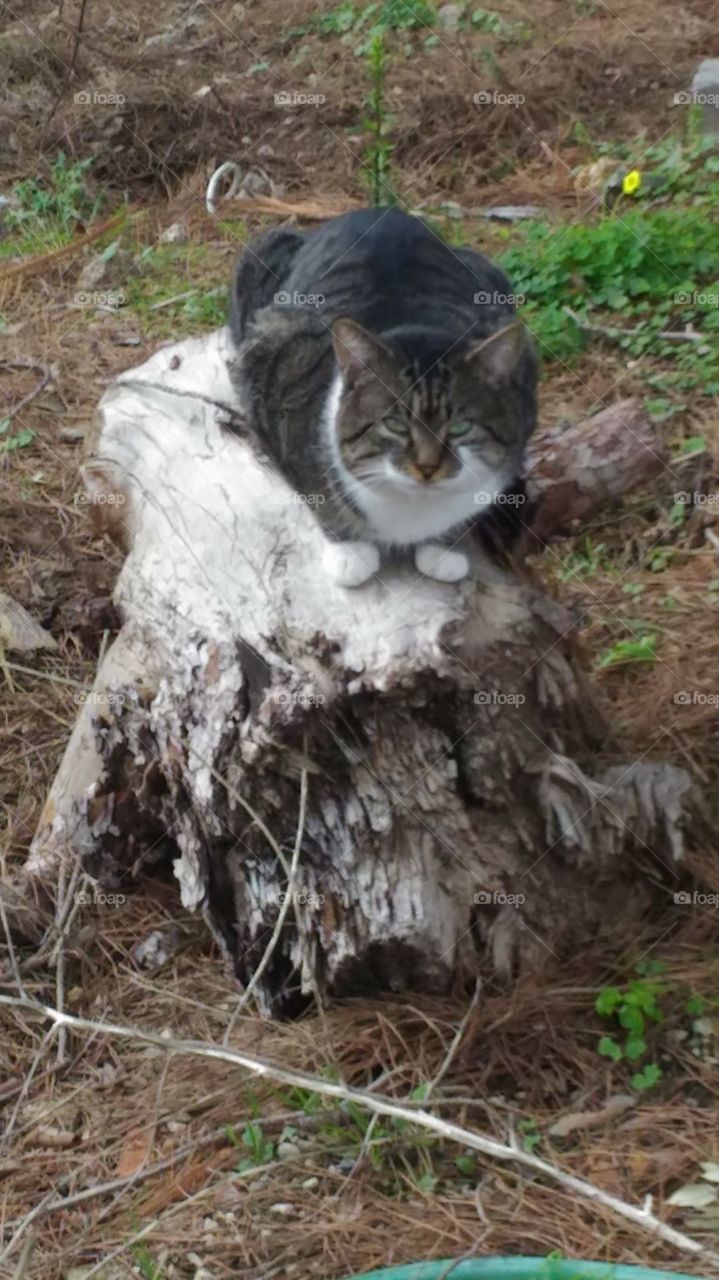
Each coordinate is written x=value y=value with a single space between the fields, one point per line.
x=135 y=1151
x=612 y=1108
x=695 y=1195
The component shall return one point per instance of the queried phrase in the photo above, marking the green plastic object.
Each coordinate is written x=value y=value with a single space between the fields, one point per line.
x=520 y=1269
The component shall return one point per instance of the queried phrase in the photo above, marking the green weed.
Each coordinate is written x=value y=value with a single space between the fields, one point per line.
x=44 y=214
x=377 y=123
x=633 y=1009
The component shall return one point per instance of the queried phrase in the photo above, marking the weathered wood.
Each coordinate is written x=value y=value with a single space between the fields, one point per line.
x=449 y=823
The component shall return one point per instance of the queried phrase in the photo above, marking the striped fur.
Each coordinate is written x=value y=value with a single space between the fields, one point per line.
x=392 y=401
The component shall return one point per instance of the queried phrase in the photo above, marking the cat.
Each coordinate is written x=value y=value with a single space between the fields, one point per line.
x=389 y=380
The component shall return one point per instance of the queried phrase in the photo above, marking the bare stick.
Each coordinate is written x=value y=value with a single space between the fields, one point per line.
x=71 y=68
x=454 y=1047
x=260 y=1066
x=47 y=376
x=611 y=331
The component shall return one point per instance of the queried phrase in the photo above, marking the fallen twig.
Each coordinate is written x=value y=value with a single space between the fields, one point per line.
x=44 y=260
x=47 y=374
x=641 y=1217
x=73 y=60
x=612 y=331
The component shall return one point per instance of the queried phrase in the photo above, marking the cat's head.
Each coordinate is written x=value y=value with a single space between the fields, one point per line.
x=429 y=423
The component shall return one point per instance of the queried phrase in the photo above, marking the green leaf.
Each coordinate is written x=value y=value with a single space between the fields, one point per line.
x=645 y=1079
x=641 y=650
x=695 y=444
x=610 y=1049
x=632 y=1019
x=635 y=1048
x=607 y=1000
x=466 y=1165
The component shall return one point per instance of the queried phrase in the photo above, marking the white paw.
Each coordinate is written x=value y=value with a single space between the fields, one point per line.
x=349 y=564
x=440 y=563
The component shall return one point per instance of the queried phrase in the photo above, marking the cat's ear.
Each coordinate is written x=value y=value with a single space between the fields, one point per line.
x=494 y=357
x=357 y=349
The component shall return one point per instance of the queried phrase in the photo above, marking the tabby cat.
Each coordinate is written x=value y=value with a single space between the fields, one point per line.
x=387 y=377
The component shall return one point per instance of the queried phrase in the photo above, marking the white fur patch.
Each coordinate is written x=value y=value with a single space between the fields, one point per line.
x=350 y=564
x=441 y=563
x=402 y=511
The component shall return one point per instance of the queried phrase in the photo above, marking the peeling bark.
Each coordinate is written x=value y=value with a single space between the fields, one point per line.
x=458 y=815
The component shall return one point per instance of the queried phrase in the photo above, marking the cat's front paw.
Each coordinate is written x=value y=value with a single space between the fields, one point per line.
x=349 y=564
x=439 y=562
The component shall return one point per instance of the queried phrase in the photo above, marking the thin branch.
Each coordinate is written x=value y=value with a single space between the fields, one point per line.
x=266 y=1067
x=73 y=60
x=47 y=375
x=454 y=1047
x=611 y=331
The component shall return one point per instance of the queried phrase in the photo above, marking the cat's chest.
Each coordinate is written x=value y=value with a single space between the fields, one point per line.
x=405 y=516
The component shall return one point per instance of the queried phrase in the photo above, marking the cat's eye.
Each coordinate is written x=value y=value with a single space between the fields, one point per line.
x=460 y=429
x=394 y=426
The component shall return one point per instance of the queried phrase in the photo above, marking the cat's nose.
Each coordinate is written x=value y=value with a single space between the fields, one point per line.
x=426 y=469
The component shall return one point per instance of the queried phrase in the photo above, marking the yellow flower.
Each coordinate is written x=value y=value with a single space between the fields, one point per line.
x=631 y=182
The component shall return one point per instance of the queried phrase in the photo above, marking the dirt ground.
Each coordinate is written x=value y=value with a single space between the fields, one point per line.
x=133 y=1152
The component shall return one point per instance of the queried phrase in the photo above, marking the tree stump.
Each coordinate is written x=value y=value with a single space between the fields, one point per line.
x=419 y=763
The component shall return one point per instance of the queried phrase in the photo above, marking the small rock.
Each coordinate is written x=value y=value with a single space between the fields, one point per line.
x=449 y=18
x=283 y=1210
x=310 y=1184
x=156 y=949
x=19 y=632
x=93 y=273
x=287 y=1150
x=71 y=435
x=176 y=233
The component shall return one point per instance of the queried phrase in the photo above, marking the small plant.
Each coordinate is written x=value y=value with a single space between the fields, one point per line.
x=643 y=649
x=377 y=123
x=359 y=25
x=585 y=563
x=63 y=201
x=20 y=439
x=145 y=1263
x=530 y=1137
x=259 y=1148
x=633 y=1009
